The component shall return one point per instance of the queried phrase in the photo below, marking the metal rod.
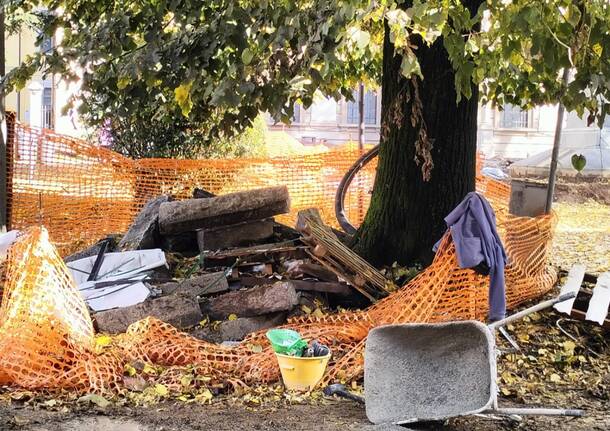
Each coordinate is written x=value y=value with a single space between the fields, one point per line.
x=538 y=412
x=521 y=314
x=98 y=262
x=556 y=143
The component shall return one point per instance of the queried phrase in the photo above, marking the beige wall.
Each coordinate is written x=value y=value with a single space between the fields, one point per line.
x=18 y=47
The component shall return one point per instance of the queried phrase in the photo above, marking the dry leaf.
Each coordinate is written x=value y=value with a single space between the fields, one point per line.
x=161 y=390
x=96 y=399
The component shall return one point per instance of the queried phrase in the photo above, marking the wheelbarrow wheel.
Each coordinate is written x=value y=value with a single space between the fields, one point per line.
x=347 y=179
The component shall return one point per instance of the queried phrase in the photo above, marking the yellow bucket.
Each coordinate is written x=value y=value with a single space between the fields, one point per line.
x=301 y=374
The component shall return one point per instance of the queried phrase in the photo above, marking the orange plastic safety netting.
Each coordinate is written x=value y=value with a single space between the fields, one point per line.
x=83 y=192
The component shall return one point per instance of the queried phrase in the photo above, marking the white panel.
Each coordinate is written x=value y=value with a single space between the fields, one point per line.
x=575 y=277
x=598 y=305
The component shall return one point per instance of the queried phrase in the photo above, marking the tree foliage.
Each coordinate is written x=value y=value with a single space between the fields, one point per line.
x=218 y=63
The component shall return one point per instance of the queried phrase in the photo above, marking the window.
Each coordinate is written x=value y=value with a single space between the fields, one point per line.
x=47 y=108
x=513 y=117
x=370 y=108
x=296 y=114
x=324 y=111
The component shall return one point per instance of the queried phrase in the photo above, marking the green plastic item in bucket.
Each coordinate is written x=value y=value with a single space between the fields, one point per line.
x=286 y=342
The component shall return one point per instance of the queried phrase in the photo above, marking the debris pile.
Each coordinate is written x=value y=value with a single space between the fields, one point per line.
x=221 y=268
x=244 y=287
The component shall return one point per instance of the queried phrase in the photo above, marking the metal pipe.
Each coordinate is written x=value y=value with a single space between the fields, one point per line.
x=538 y=412
x=521 y=314
x=556 y=143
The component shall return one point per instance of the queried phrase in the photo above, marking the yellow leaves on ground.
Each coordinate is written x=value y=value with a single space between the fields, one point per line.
x=582 y=236
x=553 y=367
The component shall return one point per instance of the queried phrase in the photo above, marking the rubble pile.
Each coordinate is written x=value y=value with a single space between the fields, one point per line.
x=230 y=269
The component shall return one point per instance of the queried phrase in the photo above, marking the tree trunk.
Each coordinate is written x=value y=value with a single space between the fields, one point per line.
x=406 y=214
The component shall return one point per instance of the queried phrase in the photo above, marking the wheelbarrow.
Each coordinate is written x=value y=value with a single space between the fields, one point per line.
x=429 y=372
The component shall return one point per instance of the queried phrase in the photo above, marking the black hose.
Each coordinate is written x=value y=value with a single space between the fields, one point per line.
x=362 y=161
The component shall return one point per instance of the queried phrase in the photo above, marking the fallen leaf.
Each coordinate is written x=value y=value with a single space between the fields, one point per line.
x=204 y=396
x=186 y=380
x=161 y=390
x=131 y=371
x=103 y=340
x=232 y=317
x=555 y=378
x=50 y=403
x=96 y=399
x=137 y=384
x=568 y=347
x=149 y=370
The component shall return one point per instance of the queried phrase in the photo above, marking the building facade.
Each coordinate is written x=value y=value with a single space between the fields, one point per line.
x=41 y=102
x=508 y=133
x=334 y=123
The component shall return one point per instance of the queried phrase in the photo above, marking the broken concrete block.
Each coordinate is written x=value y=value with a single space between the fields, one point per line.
x=94 y=249
x=181 y=311
x=252 y=302
x=236 y=330
x=234 y=235
x=203 y=284
x=144 y=231
x=194 y=214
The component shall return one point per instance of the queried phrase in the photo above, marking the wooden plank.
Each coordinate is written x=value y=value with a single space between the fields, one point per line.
x=257 y=250
x=193 y=214
x=337 y=257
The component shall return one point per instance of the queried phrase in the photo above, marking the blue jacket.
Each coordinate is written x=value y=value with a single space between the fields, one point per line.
x=473 y=230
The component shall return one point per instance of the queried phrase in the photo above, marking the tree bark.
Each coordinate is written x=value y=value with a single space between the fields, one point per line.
x=406 y=214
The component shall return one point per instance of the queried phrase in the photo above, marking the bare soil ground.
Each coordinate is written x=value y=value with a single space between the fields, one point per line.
x=574 y=191
x=331 y=416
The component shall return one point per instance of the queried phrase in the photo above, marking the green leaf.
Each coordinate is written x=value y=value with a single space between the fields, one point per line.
x=364 y=38
x=410 y=66
x=246 y=56
x=123 y=82
x=579 y=162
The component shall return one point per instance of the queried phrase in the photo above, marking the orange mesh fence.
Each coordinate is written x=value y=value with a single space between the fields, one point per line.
x=83 y=192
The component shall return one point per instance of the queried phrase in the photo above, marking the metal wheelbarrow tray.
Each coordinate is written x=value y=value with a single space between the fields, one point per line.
x=425 y=372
